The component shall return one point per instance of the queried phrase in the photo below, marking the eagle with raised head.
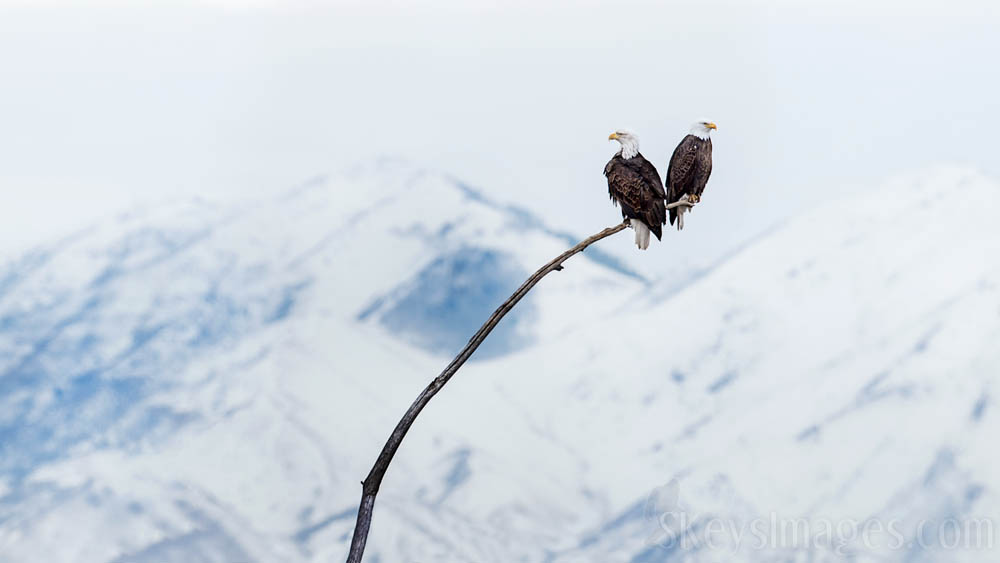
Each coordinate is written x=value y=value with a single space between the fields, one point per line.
x=690 y=167
x=635 y=186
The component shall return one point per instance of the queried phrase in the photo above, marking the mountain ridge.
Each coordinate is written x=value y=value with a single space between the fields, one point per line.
x=201 y=381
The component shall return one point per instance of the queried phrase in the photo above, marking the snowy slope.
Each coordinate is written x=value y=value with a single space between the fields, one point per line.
x=201 y=382
x=168 y=374
x=843 y=367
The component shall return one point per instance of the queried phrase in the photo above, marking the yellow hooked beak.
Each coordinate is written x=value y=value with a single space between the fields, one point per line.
x=612 y=136
x=710 y=126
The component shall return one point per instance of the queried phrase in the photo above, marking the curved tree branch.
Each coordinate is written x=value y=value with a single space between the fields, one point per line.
x=370 y=486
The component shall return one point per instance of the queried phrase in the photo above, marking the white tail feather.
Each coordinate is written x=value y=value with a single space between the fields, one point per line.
x=641 y=234
x=681 y=211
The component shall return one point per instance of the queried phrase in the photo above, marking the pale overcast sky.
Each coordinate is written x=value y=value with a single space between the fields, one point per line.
x=108 y=103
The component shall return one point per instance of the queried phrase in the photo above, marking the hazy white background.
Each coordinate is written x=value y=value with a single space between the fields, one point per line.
x=180 y=382
x=109 y=103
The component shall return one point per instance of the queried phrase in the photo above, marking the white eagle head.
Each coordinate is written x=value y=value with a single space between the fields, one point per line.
x=629 y=142
x=702 y=128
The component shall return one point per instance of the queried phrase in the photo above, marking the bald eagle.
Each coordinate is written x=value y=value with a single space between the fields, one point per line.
x=690 y=167
x=635 y=185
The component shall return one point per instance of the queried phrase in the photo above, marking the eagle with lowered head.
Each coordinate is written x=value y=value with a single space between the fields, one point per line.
x=690 y=167
x=635 y=186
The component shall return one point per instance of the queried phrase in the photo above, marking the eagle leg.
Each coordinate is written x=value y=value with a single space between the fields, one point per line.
x=694 y=198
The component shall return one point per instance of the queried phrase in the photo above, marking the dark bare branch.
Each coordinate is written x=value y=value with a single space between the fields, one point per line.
x=371 y=484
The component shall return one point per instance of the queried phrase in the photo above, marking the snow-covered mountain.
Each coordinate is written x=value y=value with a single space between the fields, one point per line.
x=205 y=382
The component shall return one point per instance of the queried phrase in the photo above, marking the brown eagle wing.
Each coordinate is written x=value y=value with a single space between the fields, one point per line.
x=685 y=168
x=648 y=172
x=704 y=167
x=637 y=195
x=682 y=167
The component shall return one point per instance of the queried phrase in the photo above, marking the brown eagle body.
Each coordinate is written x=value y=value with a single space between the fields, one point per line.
x=634 y=184
x=690 y=167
